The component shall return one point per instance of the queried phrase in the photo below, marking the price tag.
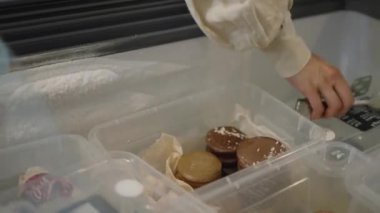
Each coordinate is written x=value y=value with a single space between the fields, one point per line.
x=363 y=118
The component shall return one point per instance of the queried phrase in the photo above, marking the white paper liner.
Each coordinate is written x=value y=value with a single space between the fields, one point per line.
x=164 y=155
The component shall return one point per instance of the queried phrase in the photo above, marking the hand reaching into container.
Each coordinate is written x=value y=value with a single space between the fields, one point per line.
x=319 y=80
x=267 y=25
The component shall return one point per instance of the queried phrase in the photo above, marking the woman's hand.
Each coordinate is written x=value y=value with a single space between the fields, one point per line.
x=319 y=81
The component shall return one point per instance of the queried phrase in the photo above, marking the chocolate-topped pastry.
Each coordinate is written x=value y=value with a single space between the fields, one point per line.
x=258 y=149
x=198 y=168
x=227 y=161
x=224 y=140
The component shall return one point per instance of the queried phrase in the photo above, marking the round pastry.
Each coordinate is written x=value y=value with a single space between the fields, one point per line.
x=198 y=168
x=258 y=149
x=224 y=140
x=227 y=161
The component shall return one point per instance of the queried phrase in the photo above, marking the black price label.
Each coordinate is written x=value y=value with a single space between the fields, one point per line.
x=363 y=118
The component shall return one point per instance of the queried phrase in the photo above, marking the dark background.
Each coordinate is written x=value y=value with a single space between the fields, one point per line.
x=369 y=7
x=37 y=31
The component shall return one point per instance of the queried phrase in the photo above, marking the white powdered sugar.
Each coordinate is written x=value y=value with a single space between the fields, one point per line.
x=73 y=97
x=66 y=104
x=272 y=153
x=59 y=88
x=224 y=131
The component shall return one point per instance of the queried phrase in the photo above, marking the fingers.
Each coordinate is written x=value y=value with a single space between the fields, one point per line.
x=334 y=88
x=334 y=104
x=338 y=97
x=318 y=78
x=317 y=108
x=345 y=94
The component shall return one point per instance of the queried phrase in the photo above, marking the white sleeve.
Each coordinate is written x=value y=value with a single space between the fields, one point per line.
x=244 y=24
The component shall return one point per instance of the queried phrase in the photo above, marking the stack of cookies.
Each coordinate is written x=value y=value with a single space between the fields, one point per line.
x=236 y=151
x=228 y=150
x=223 y=142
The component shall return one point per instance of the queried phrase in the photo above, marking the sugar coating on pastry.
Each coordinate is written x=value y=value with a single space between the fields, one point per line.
x=258 y=149
x=224 y=139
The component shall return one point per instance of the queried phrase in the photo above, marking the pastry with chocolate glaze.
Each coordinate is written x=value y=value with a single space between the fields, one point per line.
x=198 y=168
x=223 y=141
x=255 y=150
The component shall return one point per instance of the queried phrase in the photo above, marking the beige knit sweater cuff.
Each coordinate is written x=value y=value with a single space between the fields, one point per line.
x=288 y=51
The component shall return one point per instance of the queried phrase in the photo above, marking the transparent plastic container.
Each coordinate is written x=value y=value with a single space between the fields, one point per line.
x=73 y=97
x=124 y=185
x=309 y=180
x=364 y=184
x=18 y=207
x=58 y=155
x=191 y=117
x=366 y=141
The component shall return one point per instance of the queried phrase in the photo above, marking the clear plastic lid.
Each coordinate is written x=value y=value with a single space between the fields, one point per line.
x=124 y=185
x=306 y=181
x=57 y=155
x=364 y=182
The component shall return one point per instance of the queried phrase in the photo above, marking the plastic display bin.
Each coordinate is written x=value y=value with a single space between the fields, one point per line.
x=307 y=181
x=74 y=97
x=366 y=141
x=364 y=184
x=191 y=117
x=124 y=185
x=58 y=155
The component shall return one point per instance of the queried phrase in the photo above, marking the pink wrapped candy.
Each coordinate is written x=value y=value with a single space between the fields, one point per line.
x=38 y=186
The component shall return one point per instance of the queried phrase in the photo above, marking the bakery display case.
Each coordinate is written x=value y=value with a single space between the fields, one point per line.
x=106 y=108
